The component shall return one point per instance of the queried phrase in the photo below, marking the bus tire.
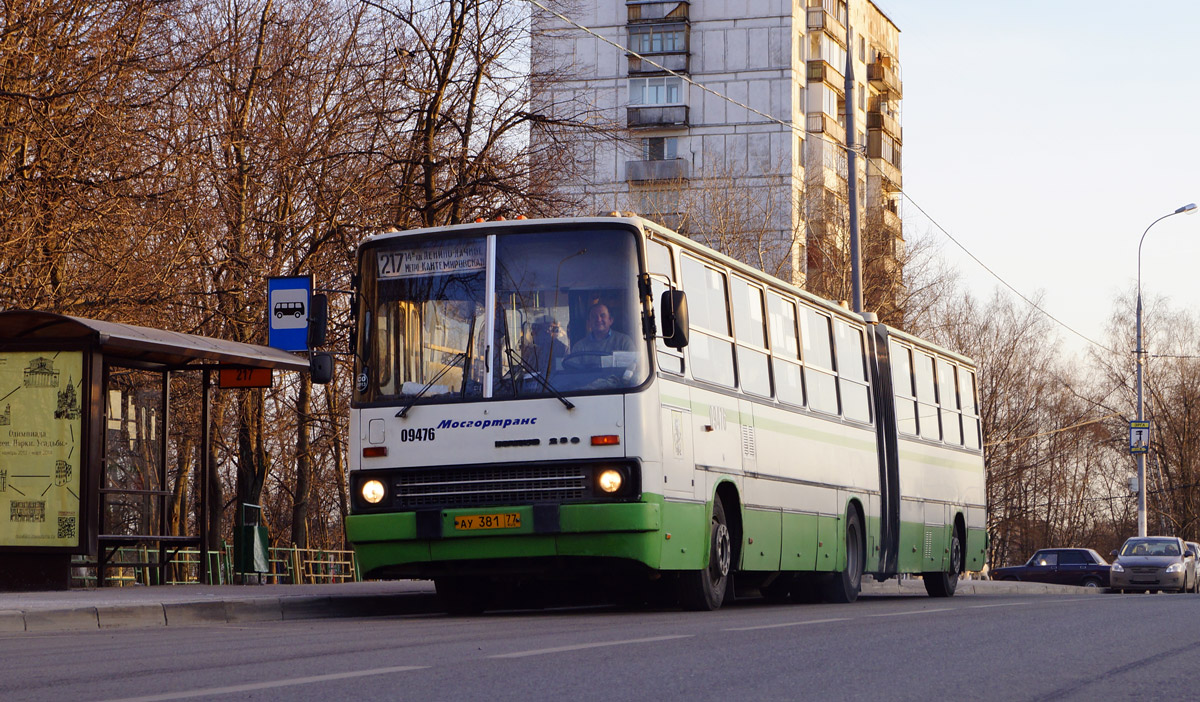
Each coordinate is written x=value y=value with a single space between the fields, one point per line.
x=704 y=590
x=844 y=587
x=944 y=584
x=460 y=596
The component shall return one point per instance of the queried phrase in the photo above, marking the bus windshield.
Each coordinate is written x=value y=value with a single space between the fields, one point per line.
x=568 y=313
x=567 y=317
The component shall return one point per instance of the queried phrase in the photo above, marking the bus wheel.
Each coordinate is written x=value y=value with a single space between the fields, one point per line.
x=844 y=586
x=944 y=584
x=460 y=596
x=704 y=590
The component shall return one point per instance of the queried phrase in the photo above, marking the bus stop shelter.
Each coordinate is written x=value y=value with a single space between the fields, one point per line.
x=70 y=483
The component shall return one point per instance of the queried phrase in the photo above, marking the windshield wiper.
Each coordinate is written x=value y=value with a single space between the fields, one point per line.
x=452 y=364
x=515 y=358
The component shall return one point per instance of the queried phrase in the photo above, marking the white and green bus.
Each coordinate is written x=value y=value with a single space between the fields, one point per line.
x=604 y=400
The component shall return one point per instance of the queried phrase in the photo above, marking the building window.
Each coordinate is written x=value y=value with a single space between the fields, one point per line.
x=657 y=39
x=667 y=90
x=836 y=8
x=824 y=100
x=887 y=148
x=832 y=53
x=659 y=148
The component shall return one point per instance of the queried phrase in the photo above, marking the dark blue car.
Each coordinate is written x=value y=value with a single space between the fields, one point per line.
x=1059 y=566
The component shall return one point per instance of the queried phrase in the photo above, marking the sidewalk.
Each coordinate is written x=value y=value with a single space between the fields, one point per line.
x=184 y=605
x=192 y=605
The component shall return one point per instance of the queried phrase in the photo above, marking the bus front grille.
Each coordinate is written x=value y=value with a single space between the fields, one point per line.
x=483 y=486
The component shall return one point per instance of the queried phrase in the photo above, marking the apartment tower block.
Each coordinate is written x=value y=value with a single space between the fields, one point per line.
x=726 y=119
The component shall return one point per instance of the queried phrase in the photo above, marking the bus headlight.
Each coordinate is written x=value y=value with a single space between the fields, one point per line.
x=610 y=480
x=372 y=491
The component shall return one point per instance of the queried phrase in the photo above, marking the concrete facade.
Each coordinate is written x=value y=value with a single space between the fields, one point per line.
x=749 y=156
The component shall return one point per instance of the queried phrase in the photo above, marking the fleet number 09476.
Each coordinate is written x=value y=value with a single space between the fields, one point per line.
x=425 y=434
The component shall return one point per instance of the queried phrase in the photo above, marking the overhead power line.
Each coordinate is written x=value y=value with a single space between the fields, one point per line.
x=1052 y=431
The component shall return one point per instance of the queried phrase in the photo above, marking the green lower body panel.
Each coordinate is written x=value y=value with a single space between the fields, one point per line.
x=976 y=549
x=653 y=533
x=763 y=539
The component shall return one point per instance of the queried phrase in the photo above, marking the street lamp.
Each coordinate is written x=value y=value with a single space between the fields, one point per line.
x=1141 y=457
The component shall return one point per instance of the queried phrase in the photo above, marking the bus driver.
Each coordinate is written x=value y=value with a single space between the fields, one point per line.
x=601 y=337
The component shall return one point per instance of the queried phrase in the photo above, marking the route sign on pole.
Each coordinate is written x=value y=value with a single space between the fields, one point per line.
x=1139 y=437
x=288 y=303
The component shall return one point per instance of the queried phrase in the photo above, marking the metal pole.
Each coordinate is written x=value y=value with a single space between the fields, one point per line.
x=852 y=178
x=1141 y=457
x=205 y=469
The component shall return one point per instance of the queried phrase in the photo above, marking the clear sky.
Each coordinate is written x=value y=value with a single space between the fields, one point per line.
x=1046 y=135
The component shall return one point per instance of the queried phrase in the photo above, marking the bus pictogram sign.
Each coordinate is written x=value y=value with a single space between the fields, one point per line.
x=1139 y=437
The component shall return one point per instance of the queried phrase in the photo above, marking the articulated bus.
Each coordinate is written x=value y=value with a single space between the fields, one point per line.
x=602 y=400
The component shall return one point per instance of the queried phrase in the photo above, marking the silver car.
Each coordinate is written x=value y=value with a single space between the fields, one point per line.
x=1150 y=563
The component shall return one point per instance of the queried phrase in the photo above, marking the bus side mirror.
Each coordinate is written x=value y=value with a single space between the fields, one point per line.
x=320 y=368
x=674 y=318
x=318 y=321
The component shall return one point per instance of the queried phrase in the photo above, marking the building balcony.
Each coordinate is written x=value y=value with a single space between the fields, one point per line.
x=882 y=77
x=819 y=19
x=673 y=62
x=647 y=171
x=821 y=72
x=819 y=122
x=887 y=169
x=637 y=11
x=888 y=123
x=891 y=223
x=657 y=116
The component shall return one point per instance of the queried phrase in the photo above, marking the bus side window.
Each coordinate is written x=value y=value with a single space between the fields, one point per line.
x=927 y=409
x=852 y=372
x=902 y=384
x=785 y=349
x=710 y=347
x=749 y=328
x=818 y=361
x=948 y=382
x=658 y=261
x=970 y=408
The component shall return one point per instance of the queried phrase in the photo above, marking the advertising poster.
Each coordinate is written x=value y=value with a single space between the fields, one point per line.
x=41 y=423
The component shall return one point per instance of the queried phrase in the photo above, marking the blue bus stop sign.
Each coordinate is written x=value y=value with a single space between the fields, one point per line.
x=288 y=301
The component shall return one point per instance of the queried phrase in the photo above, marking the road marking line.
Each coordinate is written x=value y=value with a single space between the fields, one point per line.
x=581 y=647
x=233 y=689
x=776 y=626
x=1003 y=604
x=917 y=611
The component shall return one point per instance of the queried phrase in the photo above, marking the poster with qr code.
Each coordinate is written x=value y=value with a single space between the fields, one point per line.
x=41 y=423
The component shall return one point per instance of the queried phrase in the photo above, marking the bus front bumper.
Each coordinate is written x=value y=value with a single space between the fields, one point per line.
x=406 y=544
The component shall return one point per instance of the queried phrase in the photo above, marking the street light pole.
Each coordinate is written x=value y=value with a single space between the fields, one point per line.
x=1141 y=457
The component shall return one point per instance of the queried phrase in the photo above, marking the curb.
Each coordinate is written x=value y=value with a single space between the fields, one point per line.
x=210 y=612
x=296 y=607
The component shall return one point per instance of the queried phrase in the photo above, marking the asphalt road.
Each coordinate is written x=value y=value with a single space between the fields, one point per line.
x=897 y=647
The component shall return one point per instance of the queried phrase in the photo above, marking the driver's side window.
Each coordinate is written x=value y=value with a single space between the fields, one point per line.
x=659 y=264
x=1046 y=559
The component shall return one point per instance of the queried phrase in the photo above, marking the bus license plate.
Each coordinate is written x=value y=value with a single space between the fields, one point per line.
x=504 y=520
